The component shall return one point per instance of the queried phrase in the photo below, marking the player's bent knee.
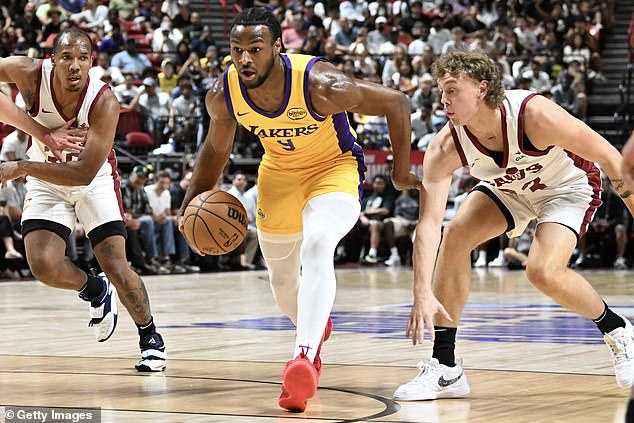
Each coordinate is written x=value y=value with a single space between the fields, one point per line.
x=454 y=238
x=542 y=275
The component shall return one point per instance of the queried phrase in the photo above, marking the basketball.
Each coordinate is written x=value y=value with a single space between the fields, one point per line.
x=215 y=222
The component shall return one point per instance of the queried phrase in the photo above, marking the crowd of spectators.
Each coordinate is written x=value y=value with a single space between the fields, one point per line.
x=160 y=59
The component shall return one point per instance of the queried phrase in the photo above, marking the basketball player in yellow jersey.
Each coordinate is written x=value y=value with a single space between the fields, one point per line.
x=627 y=167
x=310 y=176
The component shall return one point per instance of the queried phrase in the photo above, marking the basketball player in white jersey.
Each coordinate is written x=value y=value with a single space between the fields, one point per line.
x=55 y=139
x=535 y=161
x=82 y=186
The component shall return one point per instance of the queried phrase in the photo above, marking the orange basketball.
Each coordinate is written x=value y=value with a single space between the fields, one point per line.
x=215 y=222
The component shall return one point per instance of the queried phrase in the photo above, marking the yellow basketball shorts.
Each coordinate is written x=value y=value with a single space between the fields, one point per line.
x=282 y=194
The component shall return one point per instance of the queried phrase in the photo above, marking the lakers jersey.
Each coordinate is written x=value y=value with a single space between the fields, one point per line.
x=523 y=170
x=49 y=113
x=295 y=137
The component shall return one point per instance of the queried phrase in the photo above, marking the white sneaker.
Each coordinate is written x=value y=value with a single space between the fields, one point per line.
x=620 y=263
x=480 y=262
x=498 y=262
x=103 y=312
x=394 y=260
x=434 y=381
x=371 y=259
x=621 y=342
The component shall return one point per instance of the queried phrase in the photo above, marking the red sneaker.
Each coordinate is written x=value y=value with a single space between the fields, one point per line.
x=324 y=338
x=299 y=383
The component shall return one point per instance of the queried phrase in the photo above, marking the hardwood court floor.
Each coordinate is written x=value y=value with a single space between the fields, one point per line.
x=527 y=360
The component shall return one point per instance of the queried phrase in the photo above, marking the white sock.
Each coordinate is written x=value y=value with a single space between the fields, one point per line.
x=326 y=218
x=372 y=252
x=482 y=255
x=394 y=252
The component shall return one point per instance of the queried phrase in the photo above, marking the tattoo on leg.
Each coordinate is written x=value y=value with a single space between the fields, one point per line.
x=137 y=303
x=107 y=249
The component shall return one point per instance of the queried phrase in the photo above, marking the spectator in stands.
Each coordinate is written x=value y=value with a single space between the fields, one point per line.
x=14 y=146
x=540 y=80
x=52 y=28
x=30 y=41
x=526 y=36
x=426 y=94
x=183 y=17
x=405 y=80
x=438 y=35
x=27 y=21
x=154 y=106
x=200 y=44
x=393 y=43
x=378 y=35
x=113 y=42
x=414 y=17
x=293 y=36
x=92 y=18
x=160 y=201
x=130 y=60
x=564 y=94
x=403 y=224
x=167 y=78
x=237 y=258
x=420 y=33
x=126 y=92
x=183 y=252
x=163 y=42
x=393 y=64
x=184 y=118
x=421 y=124
x=313 y=43
x=127 y=9
x=194 y=29
x=140 y=246
x=102 y=65
x=470 y=22
x=437 y=123
x=43 y=9
x=456 y=42
x=72 y=6
x=522 y=65
x=374 y=209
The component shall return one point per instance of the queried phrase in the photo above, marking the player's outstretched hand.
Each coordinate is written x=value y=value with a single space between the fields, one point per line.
x=65 y=137
x=405 y=181
x=181 y=228
x=9 y=171
x=421 y=316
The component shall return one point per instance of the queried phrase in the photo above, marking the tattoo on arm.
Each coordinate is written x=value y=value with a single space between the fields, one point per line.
x=618 y=185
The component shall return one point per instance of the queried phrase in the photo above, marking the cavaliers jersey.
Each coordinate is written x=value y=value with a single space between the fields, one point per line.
x=295 y=137
x=49 y=113
x=523 y=170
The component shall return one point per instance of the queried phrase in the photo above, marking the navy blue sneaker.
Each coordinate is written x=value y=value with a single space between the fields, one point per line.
x=153 y=354
x=103 y=310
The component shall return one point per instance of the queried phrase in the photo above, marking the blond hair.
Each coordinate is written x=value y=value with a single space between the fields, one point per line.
x=475 y=65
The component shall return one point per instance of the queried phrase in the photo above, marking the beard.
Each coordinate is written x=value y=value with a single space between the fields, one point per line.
x=260 y=79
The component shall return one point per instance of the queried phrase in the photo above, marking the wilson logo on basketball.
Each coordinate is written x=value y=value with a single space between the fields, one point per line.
x=236 y=215
x=296 y=113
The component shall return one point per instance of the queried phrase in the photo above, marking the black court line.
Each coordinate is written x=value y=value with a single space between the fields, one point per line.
x=391 y=407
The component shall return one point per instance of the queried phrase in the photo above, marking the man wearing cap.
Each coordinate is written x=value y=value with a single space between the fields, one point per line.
x=377 y=36
x=167 y=78
x=310 y=18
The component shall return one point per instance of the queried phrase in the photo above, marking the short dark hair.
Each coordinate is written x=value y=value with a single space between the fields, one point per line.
x=259 y=16
x=72 y=32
